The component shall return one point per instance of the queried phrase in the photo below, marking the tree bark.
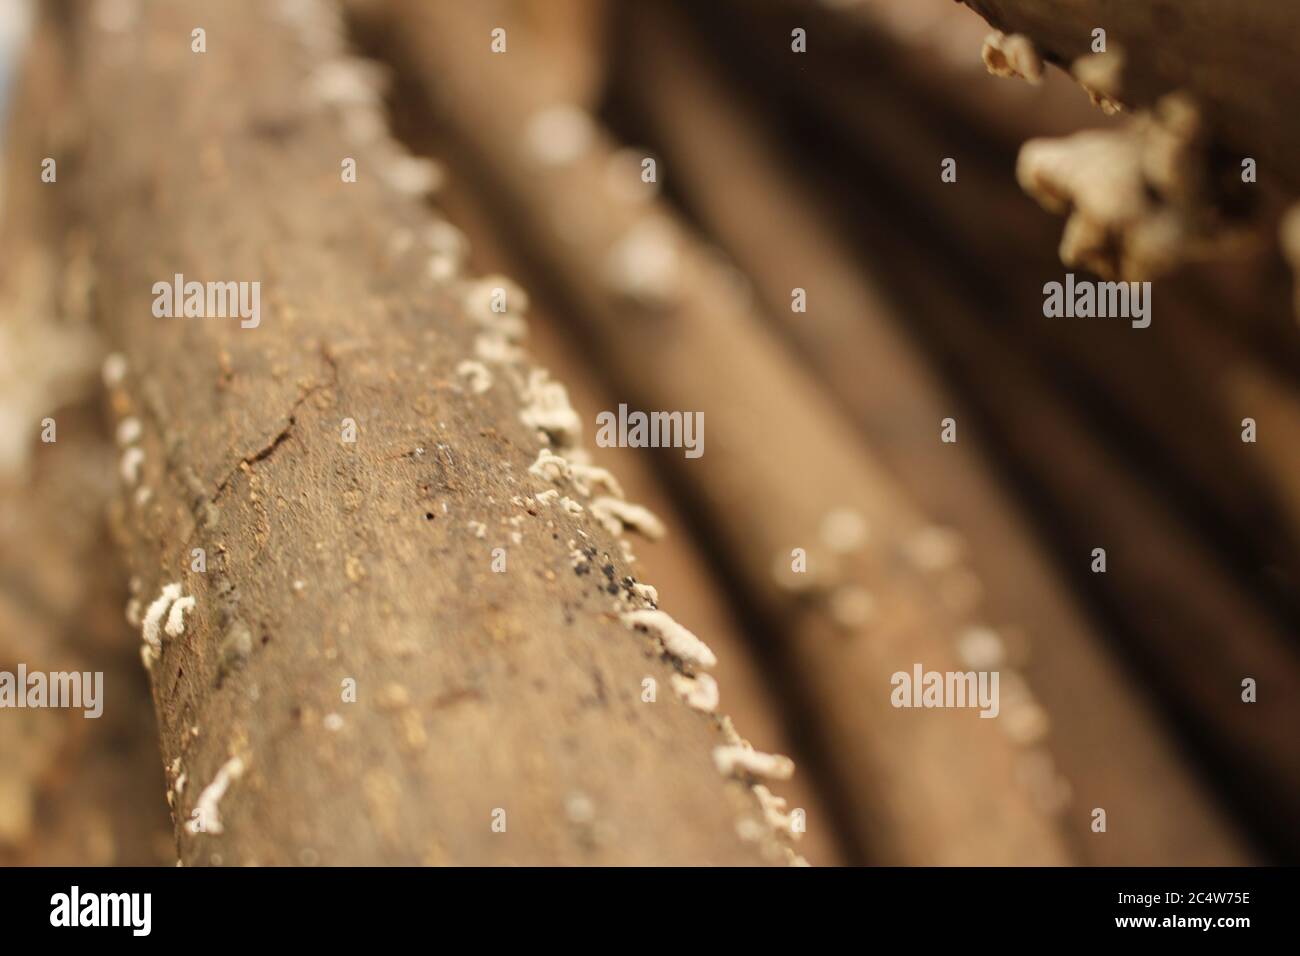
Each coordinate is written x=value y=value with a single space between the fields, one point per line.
x=914 y=786
x=1237 y=59
x=510 y=698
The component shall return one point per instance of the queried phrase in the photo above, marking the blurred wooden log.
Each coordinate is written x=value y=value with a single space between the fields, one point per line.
x=573 y=31
x=1237 y=59
x=1244 y=527
x=498 y=717
x=1113 y=750
x=1173 y=603
x=930 y=47
x=914 y=786
x=74 y=790
x=887 y=140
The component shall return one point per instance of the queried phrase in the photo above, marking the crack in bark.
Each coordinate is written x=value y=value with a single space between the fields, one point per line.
x=269 y=448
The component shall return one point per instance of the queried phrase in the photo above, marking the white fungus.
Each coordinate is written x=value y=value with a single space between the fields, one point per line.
x=153 y=615
x=347 y=81
x=1026 y=723
x=558 y=135
x=476 y=376
x=1102 y=75
x=548 y=410
x=175 y=626
x=445 y=239
x=1021 y=717
x=448 y=250
x=738 y=759
x=413 y=175
x=852 y=606
x=676 y=639
x=128 y=431
x=934 y=548
x=114 y=370
x=1139 y=197
x=497 y=304
x=497 y=349
x=586 y=478
x=616 y=514
x=132 y=460
x=643 y=264
x=774 y=811
x=579 y=808
x=981 y=648
x=750 y=830
x=645 y=592
x=1050 y=791
x=844 y=530
x=442 y=268
x=206 y=818
x=700 y=692
x=550 y=466
x=1012 y=56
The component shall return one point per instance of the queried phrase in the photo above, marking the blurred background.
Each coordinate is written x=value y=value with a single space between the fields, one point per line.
x=778 y=172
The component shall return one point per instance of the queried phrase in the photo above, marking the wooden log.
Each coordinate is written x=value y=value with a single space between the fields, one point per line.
x=914 y=786
x=1237 y=59
x=1234 y=576
x=1188 y=618
x=1139 y=388
x=353 y=681
x=1115 y=751
x=75 y=790
x=81 y=785
x=693 y=590
x=926 y=47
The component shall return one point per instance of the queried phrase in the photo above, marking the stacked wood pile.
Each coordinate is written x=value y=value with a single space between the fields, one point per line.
x=392 y=500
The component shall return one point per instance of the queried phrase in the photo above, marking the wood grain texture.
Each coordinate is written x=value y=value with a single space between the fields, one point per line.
x=917 y=787
x=476 y=690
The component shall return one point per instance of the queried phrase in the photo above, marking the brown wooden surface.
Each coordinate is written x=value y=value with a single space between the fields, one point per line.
x=913 y=786
x=1106 y=734
x=476 y=690
x=1237 y=58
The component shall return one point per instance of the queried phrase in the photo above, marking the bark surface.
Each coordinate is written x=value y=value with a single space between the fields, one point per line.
x=371 y=561
x=913 y=786
x=1237 y=58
